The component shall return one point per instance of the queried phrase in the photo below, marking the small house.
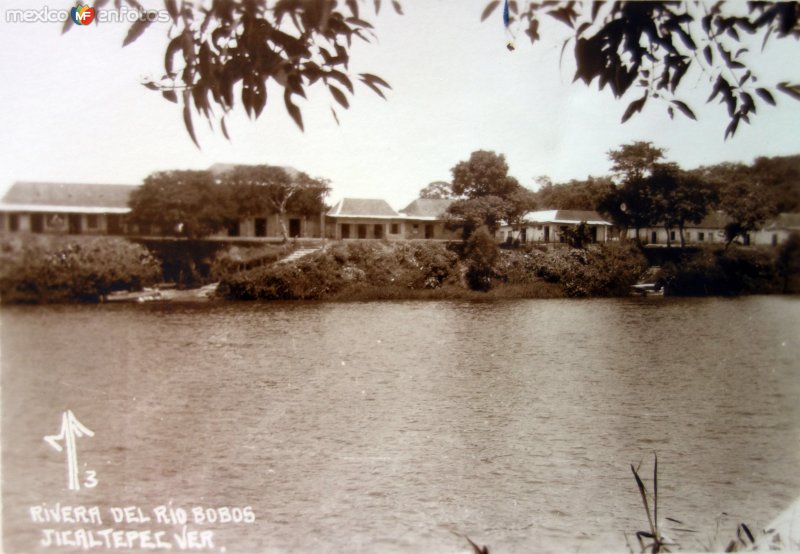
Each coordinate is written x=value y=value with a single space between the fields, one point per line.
x=65 y=208
x=547 y=226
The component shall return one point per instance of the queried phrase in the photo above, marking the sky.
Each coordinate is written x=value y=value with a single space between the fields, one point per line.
x=74 y=109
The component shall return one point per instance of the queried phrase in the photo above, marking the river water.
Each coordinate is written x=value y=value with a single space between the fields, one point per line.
x=402 y=426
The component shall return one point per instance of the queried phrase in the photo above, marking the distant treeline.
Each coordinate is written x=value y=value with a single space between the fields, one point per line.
x=778 y=178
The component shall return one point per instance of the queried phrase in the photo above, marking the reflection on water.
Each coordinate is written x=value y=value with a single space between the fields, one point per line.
x=396 y=426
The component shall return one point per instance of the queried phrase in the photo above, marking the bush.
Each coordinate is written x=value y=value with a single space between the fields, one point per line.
x=321 y=275
x=56 y=269
x=481 y=253
x=723 y=272
x=234 y=259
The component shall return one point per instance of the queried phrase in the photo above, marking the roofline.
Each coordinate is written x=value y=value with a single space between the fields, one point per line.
x=43 y=208
x=366 y=216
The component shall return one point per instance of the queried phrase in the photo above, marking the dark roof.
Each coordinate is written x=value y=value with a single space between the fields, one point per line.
x=362 y=207
x=714 y=220
x=427 y=207
x=69 y=195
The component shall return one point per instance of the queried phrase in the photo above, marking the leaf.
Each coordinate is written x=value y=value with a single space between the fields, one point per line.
x=136 y=30
x=187 y=117
x=170 y=95
x=397 y=7
x=374 y=82
x=339 y=96
x=68 y=24
x=173 y=48
x=731 y=130
x=766 y=96
x=172 y=8
x=490 y=7
x=708 y=55
x=633 y=107
x=791 y=90
x=684 y=109
x=292 y=109
x=336 y=117
x=224 y=128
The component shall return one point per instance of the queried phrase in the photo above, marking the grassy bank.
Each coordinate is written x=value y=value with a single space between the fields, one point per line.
x=424 y=270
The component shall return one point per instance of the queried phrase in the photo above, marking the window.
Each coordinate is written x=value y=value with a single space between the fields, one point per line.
x=91 y=221
x=13 y=222
x=261 y=227
x=701 y=236
x=395 y=228
x=345 y=230
x=233 y=229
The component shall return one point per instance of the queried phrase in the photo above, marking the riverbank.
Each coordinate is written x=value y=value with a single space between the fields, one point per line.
x=413 y=270
x=46 y=269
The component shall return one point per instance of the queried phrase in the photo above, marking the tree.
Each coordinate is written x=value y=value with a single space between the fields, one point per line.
x=185 y=203
x=693 y=198
x=235 y=48
x=574 y=195
x=652 y=46
x=632 y=204
x=437 y=190
x=748 y=207
x=263 y=188
x=481 y=253
x=635 y=161
x=484 y=174
x=470 y=214
x=488 y=194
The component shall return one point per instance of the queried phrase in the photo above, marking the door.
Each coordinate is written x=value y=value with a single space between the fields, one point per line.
x=294 y=228
x=378 y=231
x=362 y=231
x=37 y=223
x=653 y=238
x=74 y=221
x=547 y=233
x=429 y=231
x=113 y=224
x=345 y=230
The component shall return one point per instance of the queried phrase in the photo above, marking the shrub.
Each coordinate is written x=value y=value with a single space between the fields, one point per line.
x=56 y=269
x=724 y=272
x=481 y=254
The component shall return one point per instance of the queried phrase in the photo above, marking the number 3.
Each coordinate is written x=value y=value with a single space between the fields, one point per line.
x=91 y=479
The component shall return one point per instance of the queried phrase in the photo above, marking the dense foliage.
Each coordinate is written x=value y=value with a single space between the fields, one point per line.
x=196 y=204
x=404 y=269
x=227 y=52
x=725 y=272
x=486 y=194
x=55 y=269
x=652 y=46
